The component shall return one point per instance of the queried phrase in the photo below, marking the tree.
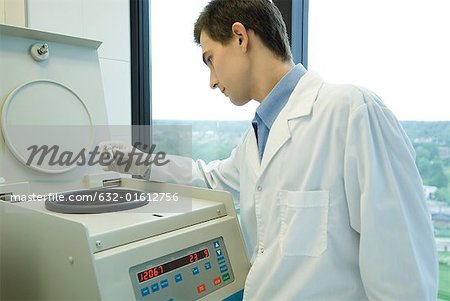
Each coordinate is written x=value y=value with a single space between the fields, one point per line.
x=437 y=175
x=443 y=195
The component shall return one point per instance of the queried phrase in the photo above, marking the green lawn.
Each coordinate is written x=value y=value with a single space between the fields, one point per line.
x=444 y=276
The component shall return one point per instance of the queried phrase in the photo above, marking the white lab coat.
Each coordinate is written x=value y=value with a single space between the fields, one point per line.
x=335 y=210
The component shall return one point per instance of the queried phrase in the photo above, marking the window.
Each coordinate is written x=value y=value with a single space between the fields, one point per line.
x=180 y=80
x=180 y=84
x=398 y=49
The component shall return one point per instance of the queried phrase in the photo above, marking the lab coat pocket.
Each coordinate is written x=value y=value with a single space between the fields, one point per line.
x=304 y=222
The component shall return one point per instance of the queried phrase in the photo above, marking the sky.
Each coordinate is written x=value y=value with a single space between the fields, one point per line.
x=180 y=78
x=396 y=48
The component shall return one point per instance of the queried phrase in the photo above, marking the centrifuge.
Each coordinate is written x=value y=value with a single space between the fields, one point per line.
x=71 y=231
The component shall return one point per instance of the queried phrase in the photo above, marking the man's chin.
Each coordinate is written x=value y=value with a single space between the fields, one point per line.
x=238 y=102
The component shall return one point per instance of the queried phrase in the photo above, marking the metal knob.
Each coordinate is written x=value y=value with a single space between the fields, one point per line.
x=43 y=49
x=40 y=51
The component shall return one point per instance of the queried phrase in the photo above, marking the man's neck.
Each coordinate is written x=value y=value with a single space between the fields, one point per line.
x=267 y=74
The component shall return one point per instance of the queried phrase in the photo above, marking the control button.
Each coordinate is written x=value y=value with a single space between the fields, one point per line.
x=259 y=188
x=221 y=259
x=178 y=278
x=217 y=281
x=223 y=268
x=195 y=271
x=164 y=283
x=219 y=252
x=216 y=244
x=226 y=277
x=201 y=288
x=261 y=250
x=145 y=291
x=208 y=265
x=155 y=287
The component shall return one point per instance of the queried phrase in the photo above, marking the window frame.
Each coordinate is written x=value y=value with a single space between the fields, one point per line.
x=141 y=76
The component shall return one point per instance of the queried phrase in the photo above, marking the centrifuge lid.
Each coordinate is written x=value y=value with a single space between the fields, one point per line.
x=56 y=102
x=46 y=113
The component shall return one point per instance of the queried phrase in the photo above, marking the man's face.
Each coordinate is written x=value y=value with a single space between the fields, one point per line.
x=229 y=68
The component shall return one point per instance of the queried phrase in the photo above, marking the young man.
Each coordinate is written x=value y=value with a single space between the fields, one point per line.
x=331 y=202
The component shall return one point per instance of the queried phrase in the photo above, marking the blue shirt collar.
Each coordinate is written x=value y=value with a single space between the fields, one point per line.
x=272 y=105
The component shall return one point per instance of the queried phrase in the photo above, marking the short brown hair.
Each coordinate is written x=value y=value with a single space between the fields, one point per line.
x=261 y=16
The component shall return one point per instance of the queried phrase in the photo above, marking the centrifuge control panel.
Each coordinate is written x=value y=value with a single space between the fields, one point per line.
x=188 y=274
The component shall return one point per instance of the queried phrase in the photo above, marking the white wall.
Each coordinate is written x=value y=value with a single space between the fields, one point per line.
x=2 y=11
x=104 y=20
x=12 y=12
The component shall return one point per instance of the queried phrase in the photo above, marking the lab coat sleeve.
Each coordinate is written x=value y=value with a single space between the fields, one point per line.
x=397 y=255
x=218 y=174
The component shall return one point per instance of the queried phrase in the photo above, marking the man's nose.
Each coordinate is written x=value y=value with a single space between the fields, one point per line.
x=213 y=82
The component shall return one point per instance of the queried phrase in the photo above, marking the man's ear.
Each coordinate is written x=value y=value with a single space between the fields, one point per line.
x=240 y=35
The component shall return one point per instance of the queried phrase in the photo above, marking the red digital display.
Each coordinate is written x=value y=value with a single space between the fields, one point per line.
x=171 y=265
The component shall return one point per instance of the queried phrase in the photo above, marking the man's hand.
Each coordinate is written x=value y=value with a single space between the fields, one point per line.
x=125 y=158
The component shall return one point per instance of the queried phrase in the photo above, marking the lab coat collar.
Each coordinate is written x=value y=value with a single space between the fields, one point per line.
x=302 y=99
x=299 y=105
